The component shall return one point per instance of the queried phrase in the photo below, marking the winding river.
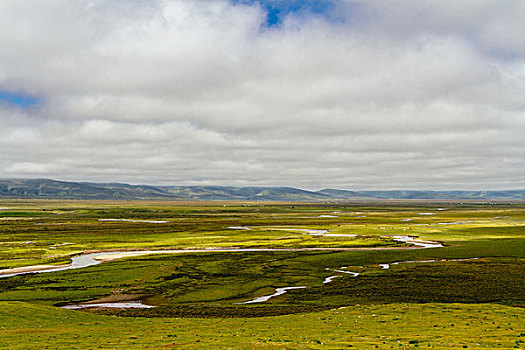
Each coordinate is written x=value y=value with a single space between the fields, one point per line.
x=278 y=291
x=91 y=259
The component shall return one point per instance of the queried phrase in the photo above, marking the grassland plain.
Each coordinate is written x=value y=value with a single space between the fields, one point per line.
x=393 y=326
x=444 y=298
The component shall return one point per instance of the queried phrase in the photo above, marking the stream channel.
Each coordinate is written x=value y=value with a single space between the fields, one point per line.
x=91 y=259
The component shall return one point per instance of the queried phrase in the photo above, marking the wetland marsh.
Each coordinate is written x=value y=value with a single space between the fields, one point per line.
x=257 y=263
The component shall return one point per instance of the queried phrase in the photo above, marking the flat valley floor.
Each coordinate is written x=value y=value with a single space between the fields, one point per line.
x=219 y=275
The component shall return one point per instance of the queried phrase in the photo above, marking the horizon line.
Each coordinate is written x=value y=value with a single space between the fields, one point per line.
x=263 y=186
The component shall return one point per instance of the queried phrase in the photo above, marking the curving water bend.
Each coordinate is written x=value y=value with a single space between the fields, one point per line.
x=278 y=291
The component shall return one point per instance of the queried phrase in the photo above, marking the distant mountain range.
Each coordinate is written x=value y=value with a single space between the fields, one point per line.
x=52 y=189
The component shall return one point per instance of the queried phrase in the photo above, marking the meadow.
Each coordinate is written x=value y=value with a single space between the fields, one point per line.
x=467 y=294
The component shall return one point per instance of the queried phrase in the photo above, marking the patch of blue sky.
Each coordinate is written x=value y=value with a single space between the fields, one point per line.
x=277 y=10
x=19 y=99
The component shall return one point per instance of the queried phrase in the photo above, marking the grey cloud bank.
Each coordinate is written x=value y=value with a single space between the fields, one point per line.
x=399 y=94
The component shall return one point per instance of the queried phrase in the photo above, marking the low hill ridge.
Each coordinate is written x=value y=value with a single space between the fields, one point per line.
x=53 y=189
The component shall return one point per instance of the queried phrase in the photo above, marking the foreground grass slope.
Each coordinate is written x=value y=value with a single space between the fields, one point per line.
x=394 y=326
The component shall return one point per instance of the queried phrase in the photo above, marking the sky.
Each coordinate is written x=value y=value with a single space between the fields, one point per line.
x=351 y=94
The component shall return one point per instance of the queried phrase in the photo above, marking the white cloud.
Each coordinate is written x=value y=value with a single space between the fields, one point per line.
x=403 y=94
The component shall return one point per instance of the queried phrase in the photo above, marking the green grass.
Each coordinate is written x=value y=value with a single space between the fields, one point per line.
x=444 y=304
x=395 y=326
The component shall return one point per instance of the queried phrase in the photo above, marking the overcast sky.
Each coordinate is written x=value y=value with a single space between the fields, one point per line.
x=354 y=94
